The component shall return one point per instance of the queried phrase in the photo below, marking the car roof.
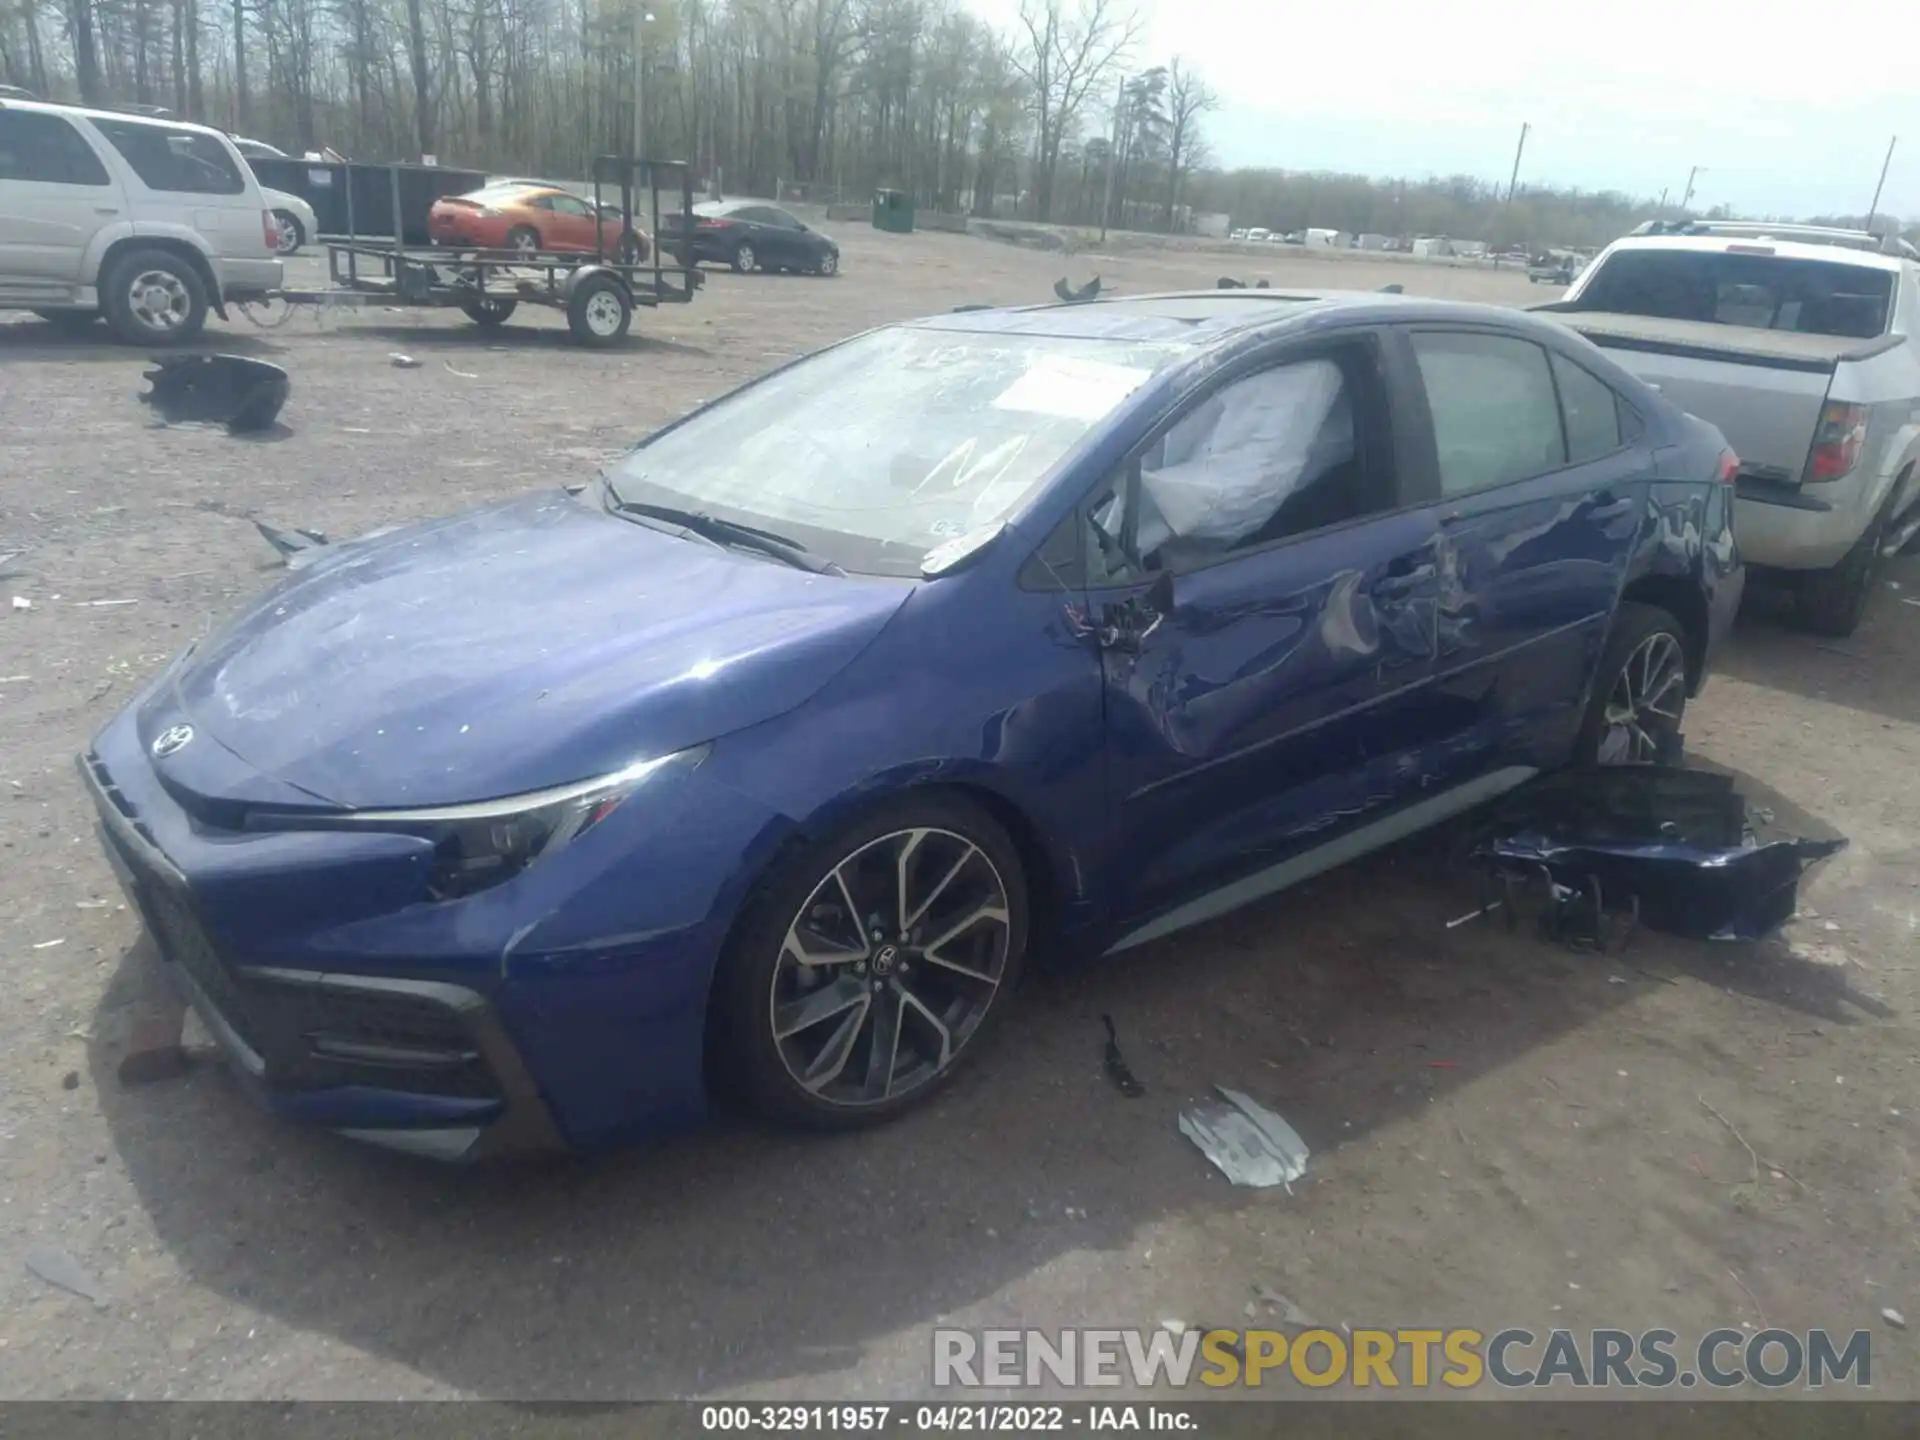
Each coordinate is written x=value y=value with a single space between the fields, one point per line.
x=1206 y=317
x=158 y=121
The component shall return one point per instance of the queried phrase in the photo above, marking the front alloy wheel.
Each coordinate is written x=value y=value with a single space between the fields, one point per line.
x=1644 y=707
x=873 y=963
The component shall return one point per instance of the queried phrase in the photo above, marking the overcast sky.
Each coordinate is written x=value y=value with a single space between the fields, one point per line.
x=1789 y=111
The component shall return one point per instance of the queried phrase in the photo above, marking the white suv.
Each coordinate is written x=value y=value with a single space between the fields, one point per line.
x=148 y=223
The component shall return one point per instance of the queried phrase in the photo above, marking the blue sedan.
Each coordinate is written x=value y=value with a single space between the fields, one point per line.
x=767 y=760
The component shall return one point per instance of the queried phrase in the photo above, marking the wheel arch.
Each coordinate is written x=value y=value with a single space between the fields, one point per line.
x=1043 y=871
x=1681 y=597
x=170 y=245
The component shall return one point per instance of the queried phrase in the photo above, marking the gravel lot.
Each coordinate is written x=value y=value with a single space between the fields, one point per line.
x=1504 y=1133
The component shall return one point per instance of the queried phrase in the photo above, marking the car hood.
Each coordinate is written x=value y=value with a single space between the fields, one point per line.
x=510 y=649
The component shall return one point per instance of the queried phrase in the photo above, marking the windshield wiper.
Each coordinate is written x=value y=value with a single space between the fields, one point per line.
x=726 y=532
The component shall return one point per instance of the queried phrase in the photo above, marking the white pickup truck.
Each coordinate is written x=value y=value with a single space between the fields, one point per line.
x=1802 y=344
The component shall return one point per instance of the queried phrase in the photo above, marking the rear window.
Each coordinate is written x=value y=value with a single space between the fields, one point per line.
x=1766 y=292
x=41 y=147
x=189 y=162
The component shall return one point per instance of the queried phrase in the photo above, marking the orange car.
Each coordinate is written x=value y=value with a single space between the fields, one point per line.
x=531 y=217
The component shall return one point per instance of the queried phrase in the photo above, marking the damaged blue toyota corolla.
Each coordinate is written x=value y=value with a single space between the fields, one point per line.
x=767 y=759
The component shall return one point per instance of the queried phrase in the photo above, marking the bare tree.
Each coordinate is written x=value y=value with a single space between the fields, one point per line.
x=1188 y=98
x=422 y=80
x=1062 y=57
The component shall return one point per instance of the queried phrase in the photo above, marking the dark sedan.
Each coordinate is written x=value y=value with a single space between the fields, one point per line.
x=750 y=235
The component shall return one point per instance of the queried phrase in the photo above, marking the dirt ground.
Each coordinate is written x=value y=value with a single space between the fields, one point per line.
x=1504 y=1133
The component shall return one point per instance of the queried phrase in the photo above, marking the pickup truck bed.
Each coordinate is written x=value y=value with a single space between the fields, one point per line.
x=1780 y=349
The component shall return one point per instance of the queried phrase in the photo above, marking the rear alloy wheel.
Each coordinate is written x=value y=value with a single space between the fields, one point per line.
x=872 y=963
x=292 y=235
x=599 y=311
x=524 y=239
x=745 y=262
x=153 y=297
x=1640 y=693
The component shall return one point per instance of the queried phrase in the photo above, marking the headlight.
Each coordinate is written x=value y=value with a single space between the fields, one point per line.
x=478 y=846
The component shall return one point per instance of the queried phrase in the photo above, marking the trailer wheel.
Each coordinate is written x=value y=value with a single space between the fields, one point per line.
x=599 y=311
x=489 y=314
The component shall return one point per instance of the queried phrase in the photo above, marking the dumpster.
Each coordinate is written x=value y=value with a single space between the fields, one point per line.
x=893 y=210
x=368 y=209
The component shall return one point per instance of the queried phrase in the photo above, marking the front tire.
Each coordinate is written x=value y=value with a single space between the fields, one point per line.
x=870 y=964
x=745 y=261
x=1639 y=698
x=153 y=297
x=827 y=266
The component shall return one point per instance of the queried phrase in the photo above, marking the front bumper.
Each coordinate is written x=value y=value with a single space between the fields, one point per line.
x=564 y=1007
x=417 y=1065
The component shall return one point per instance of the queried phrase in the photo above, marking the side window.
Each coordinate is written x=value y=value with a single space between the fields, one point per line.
x=182 y=161
x=1495 y=416
x=1272 y=455
x=783 y=220
x=1592 y=411
x=46 y=148
x=567 y=205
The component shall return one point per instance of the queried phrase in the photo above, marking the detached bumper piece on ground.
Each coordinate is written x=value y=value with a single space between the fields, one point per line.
x=243 y=395
x=1672 y=849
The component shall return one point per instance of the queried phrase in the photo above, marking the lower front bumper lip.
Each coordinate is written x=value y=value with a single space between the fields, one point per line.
x=518 y=1121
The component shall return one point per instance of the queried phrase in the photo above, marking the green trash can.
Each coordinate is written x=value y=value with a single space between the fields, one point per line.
x=893 y=210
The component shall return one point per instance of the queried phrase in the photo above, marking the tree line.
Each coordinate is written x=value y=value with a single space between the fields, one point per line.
x=1059 y=118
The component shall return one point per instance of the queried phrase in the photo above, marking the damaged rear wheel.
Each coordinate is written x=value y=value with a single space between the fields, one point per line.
x=1639 y=692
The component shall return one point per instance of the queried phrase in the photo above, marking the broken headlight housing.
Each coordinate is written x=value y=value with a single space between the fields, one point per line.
x=481 y=845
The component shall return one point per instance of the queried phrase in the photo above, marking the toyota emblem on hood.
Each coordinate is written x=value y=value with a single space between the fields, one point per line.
x=171 y=740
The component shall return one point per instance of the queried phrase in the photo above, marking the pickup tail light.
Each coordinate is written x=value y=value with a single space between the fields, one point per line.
x=1729 y=467
x=1836 y=441
x=270 y=230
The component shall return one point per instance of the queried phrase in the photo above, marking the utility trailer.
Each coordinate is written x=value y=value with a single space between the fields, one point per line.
x=598 y=294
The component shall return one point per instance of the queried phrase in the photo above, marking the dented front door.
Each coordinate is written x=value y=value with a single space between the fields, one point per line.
x=1273 y=705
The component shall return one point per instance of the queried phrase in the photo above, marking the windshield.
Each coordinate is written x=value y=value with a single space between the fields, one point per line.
x=1766 y=292
x=877 y=451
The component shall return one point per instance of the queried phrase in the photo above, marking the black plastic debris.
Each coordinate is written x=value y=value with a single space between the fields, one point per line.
x=243 y=395
x=1394 y=289
x=296 y=547
x=1088 y=291
x=1668 y=848
x=1117 y=1070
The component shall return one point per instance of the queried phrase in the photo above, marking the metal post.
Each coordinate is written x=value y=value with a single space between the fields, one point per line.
x=1518 y=151
x=1687 y=199
x=1874 y=209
